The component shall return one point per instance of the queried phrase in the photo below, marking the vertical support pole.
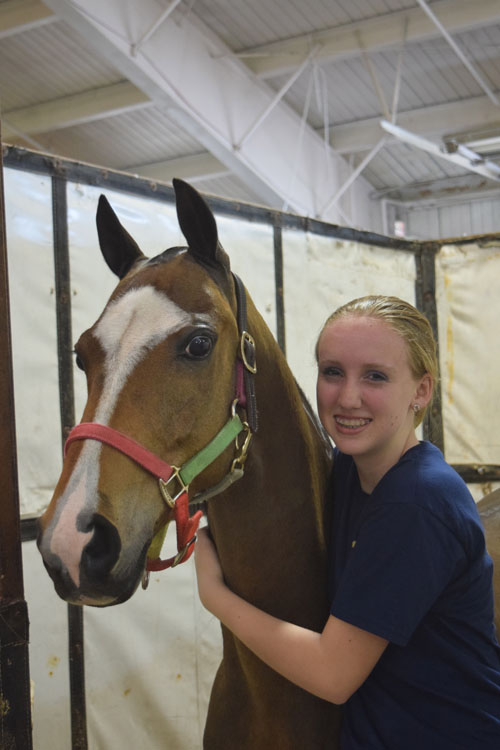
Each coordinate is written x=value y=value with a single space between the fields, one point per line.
x=15 y=699
x=67 y=410
x=77 y=678
x=279 y=283
x=426 y=302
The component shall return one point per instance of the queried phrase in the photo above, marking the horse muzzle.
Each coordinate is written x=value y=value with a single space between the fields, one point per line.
x=98 y=576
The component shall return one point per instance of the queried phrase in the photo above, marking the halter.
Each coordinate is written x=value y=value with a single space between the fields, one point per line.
x=174 y=481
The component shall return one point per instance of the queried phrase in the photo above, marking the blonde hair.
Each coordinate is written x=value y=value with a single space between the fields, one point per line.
x=408 y=322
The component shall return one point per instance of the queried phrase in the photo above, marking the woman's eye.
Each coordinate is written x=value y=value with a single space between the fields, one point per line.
x=199 y=347
x=377 y=377
x=331 y=372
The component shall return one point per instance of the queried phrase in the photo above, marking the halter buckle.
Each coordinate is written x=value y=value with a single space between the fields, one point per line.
x=168 y=495
x=247 y=343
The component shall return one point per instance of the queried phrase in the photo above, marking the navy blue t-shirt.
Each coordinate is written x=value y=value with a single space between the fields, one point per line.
x=408 y=563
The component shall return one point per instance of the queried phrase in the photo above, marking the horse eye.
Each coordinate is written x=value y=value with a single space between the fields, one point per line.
x=199 y=347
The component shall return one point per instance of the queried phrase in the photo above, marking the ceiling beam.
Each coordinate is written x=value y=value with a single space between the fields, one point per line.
x=373 y=34
x=73 y=110
x=16 y=16
x=471 y=186
x=436 y=121
x=193 y=167
x=189 y=72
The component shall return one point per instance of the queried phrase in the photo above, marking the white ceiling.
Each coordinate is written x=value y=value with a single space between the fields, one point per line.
x=271 y=101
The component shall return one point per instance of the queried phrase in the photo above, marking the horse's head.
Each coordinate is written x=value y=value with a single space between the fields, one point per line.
x=160 y=368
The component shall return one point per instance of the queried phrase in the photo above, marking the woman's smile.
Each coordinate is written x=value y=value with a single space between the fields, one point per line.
x=351 y=423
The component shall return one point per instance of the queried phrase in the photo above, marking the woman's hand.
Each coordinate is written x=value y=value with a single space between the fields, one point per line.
x=208 y=571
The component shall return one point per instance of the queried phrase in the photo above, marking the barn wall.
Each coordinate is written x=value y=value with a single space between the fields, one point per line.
x=34 y=338
x=463 y=218
x=469 y=308
x=150 y=662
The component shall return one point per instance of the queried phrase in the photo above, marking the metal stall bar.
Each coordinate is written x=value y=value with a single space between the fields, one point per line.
x=67 y=411
x=426 y=302
x=19 y=158
x=473 y=473
x=15 y=701
x=279 y=283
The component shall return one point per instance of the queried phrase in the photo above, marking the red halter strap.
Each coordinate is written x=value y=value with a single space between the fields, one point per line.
x=186 y=526
x=122 y=443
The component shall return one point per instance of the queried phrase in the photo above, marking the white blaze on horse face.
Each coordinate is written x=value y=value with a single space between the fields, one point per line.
x=130 y=327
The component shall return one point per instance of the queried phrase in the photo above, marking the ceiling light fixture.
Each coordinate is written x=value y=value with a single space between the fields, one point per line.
x=456 y=153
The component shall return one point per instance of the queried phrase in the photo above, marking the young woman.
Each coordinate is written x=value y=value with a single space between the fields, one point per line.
x=410 y=645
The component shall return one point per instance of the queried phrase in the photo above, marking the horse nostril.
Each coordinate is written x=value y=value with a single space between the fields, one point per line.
x=103 y=550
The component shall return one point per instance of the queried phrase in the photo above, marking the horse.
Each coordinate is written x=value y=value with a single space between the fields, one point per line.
x=489 y=511
x=178 y=358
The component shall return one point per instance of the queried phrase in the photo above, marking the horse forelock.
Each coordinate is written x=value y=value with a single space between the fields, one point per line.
x=165 y=256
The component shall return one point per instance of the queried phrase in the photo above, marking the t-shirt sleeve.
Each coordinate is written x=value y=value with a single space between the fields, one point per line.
x=401 y=561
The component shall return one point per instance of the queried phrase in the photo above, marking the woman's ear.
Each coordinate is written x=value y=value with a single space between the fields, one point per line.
x=423 y=393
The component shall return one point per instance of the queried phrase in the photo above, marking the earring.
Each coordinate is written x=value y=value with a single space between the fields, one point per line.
x=416 y=408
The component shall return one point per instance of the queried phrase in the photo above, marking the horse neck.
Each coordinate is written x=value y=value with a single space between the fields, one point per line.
x=278 y=506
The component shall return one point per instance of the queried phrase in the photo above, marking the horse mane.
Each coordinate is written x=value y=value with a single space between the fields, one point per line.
x=315 y=421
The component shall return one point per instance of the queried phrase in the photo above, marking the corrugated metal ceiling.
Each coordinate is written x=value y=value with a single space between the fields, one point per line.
x=46 y=63
x=244 y=24
x=48 y=60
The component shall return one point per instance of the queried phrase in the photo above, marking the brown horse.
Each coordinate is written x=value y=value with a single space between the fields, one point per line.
x=489 y=510
x=161 y=364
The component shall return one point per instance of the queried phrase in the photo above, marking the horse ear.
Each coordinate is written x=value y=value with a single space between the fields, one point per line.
x=198 y=226
x=119 y=249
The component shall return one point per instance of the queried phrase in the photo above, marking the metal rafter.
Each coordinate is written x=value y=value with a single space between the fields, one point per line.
x=378 y=33
x=460 y=54
x=75 y=109
x=17 y=17
x=467 y=114
x=188 y=69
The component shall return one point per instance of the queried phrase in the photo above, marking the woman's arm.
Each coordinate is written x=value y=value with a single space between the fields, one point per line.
x=332 y=664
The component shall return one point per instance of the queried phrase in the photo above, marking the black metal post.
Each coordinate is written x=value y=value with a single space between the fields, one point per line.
x=67 y=410
x=278 y=283
x=426 y=302
x=15 y=699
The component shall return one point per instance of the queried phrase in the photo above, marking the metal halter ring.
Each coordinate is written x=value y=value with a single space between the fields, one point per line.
x=239 y=461
x=182 y=553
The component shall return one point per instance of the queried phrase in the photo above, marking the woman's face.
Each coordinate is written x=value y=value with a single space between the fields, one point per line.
x=366 y=389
